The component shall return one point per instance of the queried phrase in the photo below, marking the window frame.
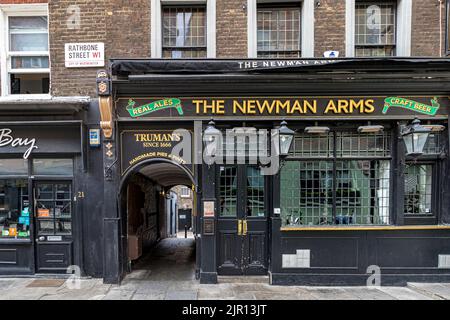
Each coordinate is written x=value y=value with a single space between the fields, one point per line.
x=156 y=24
x=184 y=48
x=403 y=27
x=307 y=21
x=334 y=158
x=274 y=6
x=424 y=218
x=20 y=10
x=393 y=46
x=185 y=195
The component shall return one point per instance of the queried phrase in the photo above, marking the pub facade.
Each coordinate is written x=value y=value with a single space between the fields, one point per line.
x=334 y=188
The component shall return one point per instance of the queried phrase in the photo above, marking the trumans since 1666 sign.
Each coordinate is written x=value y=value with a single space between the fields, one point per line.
x=84 y=55
x=141 y=145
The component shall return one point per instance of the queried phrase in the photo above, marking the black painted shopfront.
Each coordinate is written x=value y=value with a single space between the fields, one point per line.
x=42 y=159
x=346 y=201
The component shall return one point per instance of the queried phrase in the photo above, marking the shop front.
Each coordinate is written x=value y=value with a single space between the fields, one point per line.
x=311 y=171
x=38 y=222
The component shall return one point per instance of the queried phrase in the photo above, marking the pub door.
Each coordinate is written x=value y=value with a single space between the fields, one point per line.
x=242 y=221
x=53 y=225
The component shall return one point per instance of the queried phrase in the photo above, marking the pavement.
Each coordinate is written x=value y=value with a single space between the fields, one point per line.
x=167 y=273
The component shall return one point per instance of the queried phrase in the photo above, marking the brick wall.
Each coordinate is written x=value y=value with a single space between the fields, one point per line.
x=329 y=27
x=425 y=28
x=124 y=26
x=93 y=17
x=121 y=25
x=231 y=29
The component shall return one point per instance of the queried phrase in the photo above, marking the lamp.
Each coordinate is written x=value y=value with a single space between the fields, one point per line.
x=286 y=138
x=415 y=136
x=211 y=133
x=317 y=130
x=370 y=129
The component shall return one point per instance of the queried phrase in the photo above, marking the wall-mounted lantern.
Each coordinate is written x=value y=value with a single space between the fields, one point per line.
x=286 y=138
x=415 y=137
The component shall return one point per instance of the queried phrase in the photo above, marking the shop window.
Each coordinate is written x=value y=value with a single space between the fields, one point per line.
x=53 y=167
x=418 y=189
x=433 y=144
x=311 y=146
x=352 y=144
x=184 y=32
x=14 y=208
x=375 y=28
x=54 y=208
x=255 y=193
x=278 y=32
x=13 y=167
x=28 y=55
x=307 y=193
x=228 y=191
x=342 y=189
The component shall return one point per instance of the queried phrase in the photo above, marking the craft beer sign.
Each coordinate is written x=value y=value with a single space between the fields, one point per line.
x=289 y=107
x=84 y=55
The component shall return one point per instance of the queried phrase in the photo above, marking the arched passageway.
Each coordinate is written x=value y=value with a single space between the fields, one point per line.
x=151 y=206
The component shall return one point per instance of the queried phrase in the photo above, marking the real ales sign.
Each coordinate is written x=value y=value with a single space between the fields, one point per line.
x=84 y=55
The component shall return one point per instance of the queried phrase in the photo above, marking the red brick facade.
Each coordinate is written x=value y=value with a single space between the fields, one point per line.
x=124 y=27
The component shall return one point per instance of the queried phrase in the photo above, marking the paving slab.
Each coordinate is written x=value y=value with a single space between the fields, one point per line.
x=181 y=295
x=434 y=290
x=404 y=293
x=331 y=293
x=116 y=294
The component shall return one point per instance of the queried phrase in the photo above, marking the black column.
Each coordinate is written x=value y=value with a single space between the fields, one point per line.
x=112 y=269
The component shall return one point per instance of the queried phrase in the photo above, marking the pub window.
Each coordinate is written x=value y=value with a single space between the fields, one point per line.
x=185 y=192
x=278 y=32
x=28 y=55
x=307 y=145
x=350 y=186
x=14 y=208
x=184 y=32
x=433 y=144
x=418 y=189
x=54 y=208
x=53 y=167
x=228 y=191
x=375 y=28
x=255 y=193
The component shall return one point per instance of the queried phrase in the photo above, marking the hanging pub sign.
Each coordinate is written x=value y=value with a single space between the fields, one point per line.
x=289 y=107
x=141 y=145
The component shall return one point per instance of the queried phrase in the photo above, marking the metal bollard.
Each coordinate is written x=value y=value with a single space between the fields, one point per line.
x=185 y=231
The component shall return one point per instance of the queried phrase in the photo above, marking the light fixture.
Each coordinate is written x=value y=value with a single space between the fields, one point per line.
x=370 y=129
x=211 y=133
x=435 y=127
x=317 y=130
x=415 y=137
x=286 y=138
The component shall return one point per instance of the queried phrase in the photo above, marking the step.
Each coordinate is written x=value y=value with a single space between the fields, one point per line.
x=243 y=279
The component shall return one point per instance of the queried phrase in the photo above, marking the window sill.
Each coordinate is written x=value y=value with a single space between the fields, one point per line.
x=367 y=228
x=14 y=241
x=25 y=97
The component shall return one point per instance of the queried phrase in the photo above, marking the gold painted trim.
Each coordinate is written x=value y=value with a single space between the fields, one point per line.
x=374 y=228
x=106 y=123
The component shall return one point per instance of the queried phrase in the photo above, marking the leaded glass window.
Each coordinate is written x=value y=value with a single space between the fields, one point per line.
x=418 y=189
x=228 y=191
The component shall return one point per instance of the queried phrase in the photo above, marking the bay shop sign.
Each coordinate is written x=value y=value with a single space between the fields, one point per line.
x=7 y=139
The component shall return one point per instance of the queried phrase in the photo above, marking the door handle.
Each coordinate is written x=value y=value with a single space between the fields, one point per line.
x=244 y=222
x=239 y=227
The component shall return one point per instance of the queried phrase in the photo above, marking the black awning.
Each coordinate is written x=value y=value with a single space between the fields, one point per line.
x=126 y=67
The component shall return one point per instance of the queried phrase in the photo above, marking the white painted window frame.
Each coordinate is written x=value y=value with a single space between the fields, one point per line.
x=5 y=55
x=307 y=26
x=185 y=192
x=156 y=25
x=403 y=28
